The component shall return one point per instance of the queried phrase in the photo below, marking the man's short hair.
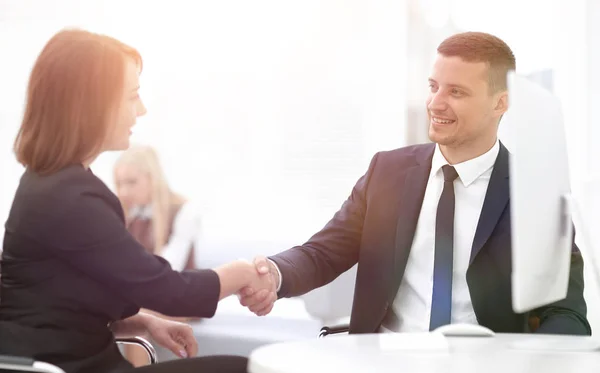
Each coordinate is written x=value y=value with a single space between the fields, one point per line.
x=482 y=47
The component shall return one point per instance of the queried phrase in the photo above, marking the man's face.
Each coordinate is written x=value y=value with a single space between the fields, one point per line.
x=461 y=109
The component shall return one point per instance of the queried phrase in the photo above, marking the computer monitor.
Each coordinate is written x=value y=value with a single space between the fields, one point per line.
x=542 y=228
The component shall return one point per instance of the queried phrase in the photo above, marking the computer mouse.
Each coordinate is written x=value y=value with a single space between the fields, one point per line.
x=464 y=330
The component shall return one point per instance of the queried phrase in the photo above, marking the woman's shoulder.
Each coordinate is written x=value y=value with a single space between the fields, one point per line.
x=188 y=212
x=45 y=205
x=189 y=208
x=61 y=190
x=69 y=180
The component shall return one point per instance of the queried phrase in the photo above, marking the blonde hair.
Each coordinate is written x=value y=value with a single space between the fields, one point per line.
x=72 y=97
x=163 y=199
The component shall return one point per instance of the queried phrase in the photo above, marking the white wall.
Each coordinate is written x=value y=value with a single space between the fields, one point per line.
x=265 y=112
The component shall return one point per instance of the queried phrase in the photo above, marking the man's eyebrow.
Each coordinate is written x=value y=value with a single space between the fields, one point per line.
x=462 y=87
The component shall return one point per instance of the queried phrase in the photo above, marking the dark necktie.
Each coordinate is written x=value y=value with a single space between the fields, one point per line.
x=441 y=303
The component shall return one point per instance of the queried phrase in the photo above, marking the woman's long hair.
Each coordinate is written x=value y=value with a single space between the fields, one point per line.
x=72 y=98
x=163 y=199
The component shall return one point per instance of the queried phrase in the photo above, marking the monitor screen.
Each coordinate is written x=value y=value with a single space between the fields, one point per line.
x=542 y=227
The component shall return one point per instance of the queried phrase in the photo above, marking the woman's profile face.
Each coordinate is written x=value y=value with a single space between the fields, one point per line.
x=133 y=186
x=130 y=107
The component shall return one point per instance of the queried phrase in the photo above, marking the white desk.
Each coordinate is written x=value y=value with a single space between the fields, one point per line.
x=430 y=353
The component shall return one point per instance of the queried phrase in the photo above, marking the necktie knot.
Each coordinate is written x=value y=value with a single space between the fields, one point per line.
x=450 y=173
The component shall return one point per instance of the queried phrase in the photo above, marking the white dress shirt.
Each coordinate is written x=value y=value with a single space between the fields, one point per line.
x=412 y=305
x=184 y=233
x=184 y=237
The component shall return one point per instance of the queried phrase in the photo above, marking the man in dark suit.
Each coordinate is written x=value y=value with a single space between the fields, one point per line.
x=429 y=225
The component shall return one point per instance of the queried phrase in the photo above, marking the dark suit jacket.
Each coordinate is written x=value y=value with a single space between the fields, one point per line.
x=375 y=228
x=70 y=267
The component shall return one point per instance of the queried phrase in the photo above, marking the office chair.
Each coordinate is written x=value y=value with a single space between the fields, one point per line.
x=335 y=329
x=24 y=364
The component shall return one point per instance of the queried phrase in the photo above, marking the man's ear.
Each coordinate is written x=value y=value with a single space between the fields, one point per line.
x=501 y=103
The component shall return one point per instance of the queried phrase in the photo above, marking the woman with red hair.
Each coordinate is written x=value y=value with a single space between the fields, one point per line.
x=73 y=277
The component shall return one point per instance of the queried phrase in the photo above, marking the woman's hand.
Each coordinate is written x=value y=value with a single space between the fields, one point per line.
x=240 y=274
x=260 y=295
x=173 y=335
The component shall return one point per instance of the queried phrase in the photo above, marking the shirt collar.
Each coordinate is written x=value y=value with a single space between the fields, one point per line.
x=141 y=212
x=468 y=171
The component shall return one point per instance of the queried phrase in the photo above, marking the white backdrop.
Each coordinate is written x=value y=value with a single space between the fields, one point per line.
x=264 y=112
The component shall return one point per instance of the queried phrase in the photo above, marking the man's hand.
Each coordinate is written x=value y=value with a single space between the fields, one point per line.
x=261 y=294
x=175 y=336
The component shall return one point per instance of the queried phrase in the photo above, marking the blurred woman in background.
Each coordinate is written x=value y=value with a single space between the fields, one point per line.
x=160 y=219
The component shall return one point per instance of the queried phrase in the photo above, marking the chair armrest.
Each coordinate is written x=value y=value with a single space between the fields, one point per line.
x=24 y=364
x=16 y=360
x=334 y=329
x=139 y=341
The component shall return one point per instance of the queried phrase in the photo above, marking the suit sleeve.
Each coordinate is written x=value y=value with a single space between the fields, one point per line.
x=90 y=235
x=330 y=252
x=567 y=316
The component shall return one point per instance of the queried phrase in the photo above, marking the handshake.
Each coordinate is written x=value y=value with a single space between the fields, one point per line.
x=261 y=293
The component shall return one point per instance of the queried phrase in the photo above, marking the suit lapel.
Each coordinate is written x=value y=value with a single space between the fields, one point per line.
x=413 y=192
x=495 y=201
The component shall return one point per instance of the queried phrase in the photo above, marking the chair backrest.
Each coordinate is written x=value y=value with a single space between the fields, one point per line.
x=332 y=303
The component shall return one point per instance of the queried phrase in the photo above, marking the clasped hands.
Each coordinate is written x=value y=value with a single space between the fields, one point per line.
x=261 y=293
